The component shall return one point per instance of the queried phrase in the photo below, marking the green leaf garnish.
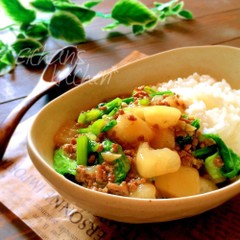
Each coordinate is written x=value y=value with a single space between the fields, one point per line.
x=63 y=164
x=27 y=47
x=43 y=5
x=185 y=14
x=71 y=31
x=67 y=20
x=230 y=158
x=17 y=12
x=84 y=14
x=133 y=12
x=7 y=60
x=37 y=30
x=90 y=4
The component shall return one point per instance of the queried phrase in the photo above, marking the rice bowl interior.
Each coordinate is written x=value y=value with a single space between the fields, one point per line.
x=218 y=62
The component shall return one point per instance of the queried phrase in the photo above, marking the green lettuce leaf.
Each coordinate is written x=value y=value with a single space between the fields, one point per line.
x=62 y=164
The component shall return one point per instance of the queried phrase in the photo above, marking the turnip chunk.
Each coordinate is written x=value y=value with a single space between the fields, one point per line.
x=162 y=116
x=163 y=138
x=136 y=111
x=131 y=129
x=184 y=182
x=207 y=185
x=155 y=162
x=145 y=190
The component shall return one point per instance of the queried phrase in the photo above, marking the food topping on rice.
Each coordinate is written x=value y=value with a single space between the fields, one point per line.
x=173 y=139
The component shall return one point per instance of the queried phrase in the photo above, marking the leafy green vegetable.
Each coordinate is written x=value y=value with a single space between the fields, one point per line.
x=107 y=145
x=37 y=30
x=231 y=159
x=109 y=106
x=65 y=21
x=7 y=61
x=17 y=12
x=27 y=47
x=185 y=14
x=171 y=8
x=43 y=5
x=138 y=29
x=63 y=164
x=71 y=31
x=161 y=93
x=214 y=170
x=91 y=4
x=82 y=150
x=88 y=116
x=133 y=12
x=84 y=14
x=205 y=152
x=128 y=100
x=97 y=127
x=196 y=123
x=182 y=141
x=144 y=102
x=122 y=167
x=93 y=145
x=109 y=125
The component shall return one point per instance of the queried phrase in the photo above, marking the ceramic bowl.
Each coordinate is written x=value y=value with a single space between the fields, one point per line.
x=217 y=61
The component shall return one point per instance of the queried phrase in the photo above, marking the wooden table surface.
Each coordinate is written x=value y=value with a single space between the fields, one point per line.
x=216 y=22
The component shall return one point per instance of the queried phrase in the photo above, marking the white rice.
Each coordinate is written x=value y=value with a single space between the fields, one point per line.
x=215 y=103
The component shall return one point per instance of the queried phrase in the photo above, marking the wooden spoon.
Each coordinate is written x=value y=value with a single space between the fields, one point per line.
x=61 y=66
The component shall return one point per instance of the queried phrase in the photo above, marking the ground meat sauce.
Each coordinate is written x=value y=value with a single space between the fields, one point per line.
x=100 y=174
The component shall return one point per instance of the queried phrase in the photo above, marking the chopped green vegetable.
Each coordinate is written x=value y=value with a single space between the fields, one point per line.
x=122 y=166
x=63 y=164
x=91 y=115
x=128 y=100
x=109 y=125
x=231 y=159
x=109 y=106
x=93 y=146
x=182 y=141
x=107 y=145
x=196 y=123
x=205 y=152
x=161 y=93
x=82 y=150
x=214 y=170
x=144 y=102
x=97 y=126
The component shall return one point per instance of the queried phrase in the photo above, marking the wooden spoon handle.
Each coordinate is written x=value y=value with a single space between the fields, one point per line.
x=8 y=126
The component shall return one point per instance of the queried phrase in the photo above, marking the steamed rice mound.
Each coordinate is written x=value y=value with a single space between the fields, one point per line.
x=215 y=103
